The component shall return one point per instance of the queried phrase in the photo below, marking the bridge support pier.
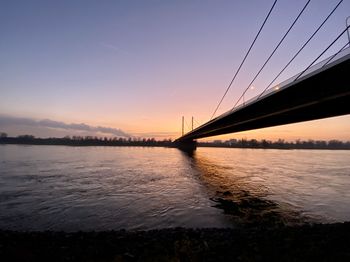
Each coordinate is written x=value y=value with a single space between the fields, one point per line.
x=186 y=145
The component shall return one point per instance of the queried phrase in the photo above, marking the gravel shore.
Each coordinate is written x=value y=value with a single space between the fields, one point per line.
x=327 y=242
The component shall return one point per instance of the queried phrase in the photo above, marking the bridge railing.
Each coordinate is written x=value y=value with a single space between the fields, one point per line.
x=332 y=60
x=328 y=62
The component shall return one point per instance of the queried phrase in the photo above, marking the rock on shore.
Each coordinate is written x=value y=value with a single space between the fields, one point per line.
x=328 y=242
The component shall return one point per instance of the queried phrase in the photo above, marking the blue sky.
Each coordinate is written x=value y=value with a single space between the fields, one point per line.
x=139 y=66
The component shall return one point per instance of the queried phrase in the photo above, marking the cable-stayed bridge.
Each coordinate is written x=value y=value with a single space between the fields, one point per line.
x=321 y=91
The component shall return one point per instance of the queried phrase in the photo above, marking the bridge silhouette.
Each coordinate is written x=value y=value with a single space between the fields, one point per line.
x=321 y=91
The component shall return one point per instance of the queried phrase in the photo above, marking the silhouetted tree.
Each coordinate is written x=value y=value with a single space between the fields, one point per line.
x=265 y=143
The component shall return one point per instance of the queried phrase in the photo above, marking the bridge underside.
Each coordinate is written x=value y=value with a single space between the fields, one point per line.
x=315 y=96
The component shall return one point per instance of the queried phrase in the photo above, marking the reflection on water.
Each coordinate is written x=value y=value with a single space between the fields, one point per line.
x=313 y=183
x=246 y=204
x=103 y=188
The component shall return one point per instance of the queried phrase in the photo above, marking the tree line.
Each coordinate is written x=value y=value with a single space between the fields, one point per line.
x=279 y=144
x=133 y=141
x=83 y=141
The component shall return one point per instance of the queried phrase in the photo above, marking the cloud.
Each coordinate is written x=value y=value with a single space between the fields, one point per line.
x=114 y=48
x=47 y=123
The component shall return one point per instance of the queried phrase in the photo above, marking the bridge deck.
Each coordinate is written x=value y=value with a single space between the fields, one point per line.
x=322 y=91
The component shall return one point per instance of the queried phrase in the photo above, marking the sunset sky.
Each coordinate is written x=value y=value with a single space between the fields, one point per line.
x=136 y=67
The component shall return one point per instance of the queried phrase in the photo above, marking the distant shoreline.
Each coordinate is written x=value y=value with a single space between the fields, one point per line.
x=118 y=142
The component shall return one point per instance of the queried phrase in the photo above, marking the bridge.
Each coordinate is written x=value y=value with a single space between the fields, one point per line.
x=321 y=91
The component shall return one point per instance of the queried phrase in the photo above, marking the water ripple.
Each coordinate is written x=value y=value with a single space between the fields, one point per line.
x=97 y=188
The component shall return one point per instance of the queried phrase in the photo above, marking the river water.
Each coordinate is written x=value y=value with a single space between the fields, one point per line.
x=104 y=188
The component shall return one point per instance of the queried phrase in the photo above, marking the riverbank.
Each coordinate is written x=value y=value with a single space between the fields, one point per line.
x=327 y=242
x=138 y=142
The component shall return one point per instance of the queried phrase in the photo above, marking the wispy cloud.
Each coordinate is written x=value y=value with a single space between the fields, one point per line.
x=47 y=123
x=113 y=47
